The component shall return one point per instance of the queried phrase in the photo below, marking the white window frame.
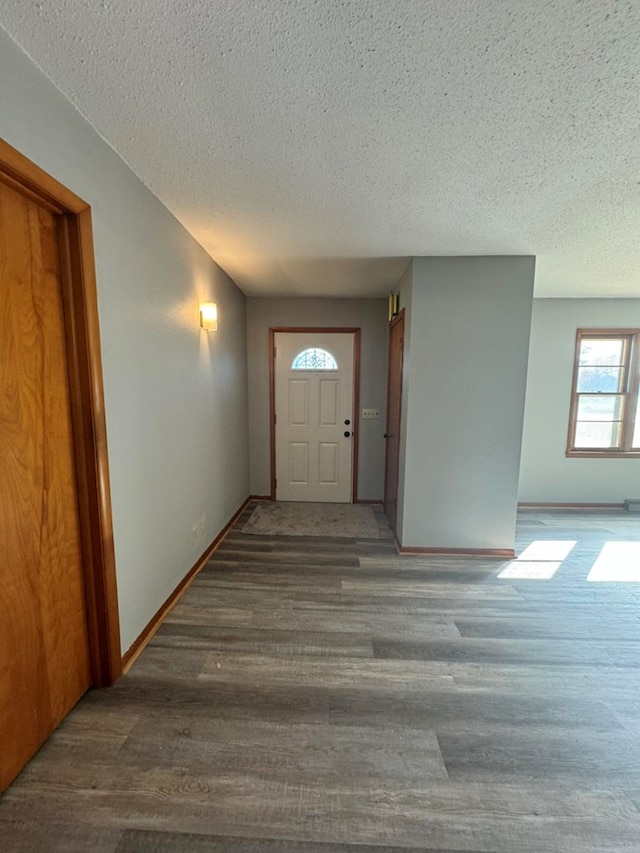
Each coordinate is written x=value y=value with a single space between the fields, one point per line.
x=628 y=394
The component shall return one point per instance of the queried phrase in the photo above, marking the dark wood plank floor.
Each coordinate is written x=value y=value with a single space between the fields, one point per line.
x=325 y=696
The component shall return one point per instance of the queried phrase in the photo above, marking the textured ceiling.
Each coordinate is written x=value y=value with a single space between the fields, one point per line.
x=312 y=145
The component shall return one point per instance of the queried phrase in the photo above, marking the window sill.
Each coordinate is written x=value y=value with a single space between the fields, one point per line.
x=603 y=454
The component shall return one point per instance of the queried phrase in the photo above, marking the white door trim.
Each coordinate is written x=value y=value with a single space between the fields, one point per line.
x=351 y=330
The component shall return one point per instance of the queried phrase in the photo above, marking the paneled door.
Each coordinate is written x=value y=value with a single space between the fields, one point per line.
x=44 y=645
x=314 y=416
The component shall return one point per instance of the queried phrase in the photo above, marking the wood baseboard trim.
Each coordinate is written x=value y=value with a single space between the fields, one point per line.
x=577 y=506
x=376 y=502
x=486 y=553
x=138 y=645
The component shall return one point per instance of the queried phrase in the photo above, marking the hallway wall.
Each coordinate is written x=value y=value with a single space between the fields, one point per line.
x=464 y=389
x=176 y=397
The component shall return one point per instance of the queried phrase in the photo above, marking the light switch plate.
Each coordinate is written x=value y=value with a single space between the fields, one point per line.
x=371 y=413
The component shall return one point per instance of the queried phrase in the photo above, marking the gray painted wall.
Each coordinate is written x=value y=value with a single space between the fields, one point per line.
x=469 y=321
x=546 y=474
x=371 y=316
x=176 y=397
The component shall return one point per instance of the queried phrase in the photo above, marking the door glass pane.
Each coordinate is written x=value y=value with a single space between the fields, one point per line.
x=597 y=434
x=603 y=379
x=599 y=407
x=601 y=351
x=314 y=358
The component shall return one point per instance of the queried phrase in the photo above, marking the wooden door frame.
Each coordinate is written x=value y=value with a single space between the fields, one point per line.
x=82 y=338
x=393 y=322
x=347 y=330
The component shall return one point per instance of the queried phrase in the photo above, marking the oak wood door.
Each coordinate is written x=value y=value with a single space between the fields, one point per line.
x=44 y=647
x=394 y=407
x=314 y=410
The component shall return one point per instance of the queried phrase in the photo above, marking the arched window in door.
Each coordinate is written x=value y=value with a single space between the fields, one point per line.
x=314 y=358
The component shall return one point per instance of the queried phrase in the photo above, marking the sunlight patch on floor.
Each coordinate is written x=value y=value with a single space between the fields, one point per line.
x=540 y=560
x=617 y=562
x=548 y=549
x=530 y=570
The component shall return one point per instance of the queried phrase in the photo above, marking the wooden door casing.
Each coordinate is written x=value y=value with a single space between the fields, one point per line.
x=394 y=412
x=59 y=626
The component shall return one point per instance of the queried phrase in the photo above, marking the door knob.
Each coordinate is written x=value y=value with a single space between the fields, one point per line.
x=347 y=422
x=347 y=433
x=387 y=435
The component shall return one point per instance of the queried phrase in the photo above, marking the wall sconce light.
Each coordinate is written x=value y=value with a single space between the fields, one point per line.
x=209 y=316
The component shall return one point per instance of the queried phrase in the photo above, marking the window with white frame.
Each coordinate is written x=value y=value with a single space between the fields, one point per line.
x=604 y=419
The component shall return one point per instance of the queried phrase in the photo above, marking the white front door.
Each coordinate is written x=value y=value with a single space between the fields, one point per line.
x=314 y=375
